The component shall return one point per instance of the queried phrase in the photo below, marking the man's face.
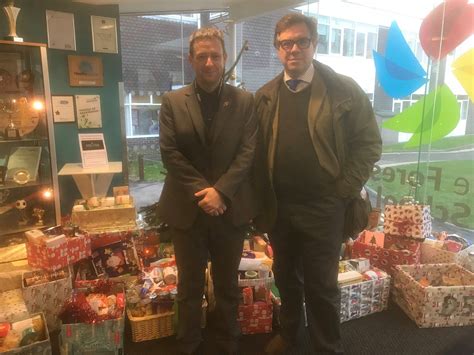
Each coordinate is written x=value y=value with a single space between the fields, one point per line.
x=296 y=60
x=208 y=61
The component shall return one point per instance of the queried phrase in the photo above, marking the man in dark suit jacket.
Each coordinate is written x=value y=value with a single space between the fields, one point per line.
x=207 y=140
x=319 y=141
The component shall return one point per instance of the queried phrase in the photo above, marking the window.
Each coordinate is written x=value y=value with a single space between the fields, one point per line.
x=348 y=44
x=371 y=44
x=360 y=44
x=336 y=40
x=323 y=39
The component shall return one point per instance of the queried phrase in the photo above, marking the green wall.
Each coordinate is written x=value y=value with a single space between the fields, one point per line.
x=31 y=25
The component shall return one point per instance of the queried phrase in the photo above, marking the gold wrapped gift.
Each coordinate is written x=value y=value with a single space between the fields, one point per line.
x=116 y=217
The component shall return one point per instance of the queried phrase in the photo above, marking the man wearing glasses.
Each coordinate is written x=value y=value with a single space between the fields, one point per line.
x=318 y=143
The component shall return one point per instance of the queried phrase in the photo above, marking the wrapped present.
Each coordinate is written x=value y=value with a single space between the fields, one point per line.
x=256 y=318
x=102 y=238
x=116 y=259
x=100 y=215
x=53 y=258
x=465 y=258
x=94 y=327
x=396 y=251
x=46 y=292
x=12 y=306
x=435 y=295
x=26 y=336
x=408 y=221
x=364 y=298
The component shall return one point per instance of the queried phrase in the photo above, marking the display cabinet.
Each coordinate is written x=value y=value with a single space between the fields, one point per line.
x=29 y=195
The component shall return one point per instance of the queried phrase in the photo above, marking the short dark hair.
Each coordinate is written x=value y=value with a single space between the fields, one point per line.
x=206 y=33
x=292 y=19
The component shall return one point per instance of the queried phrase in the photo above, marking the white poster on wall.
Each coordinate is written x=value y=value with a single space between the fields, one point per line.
x=88 y=111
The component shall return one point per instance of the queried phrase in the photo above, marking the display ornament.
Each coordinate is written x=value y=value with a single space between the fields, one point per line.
x=88 y=111
x=104 y=34
x=85 y=70
x=23 y=164
x=12 y=14
x=61 y=30
x=93 y=150
x=63 y=109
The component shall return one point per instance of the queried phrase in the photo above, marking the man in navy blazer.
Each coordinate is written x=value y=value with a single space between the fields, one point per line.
x=207 y=139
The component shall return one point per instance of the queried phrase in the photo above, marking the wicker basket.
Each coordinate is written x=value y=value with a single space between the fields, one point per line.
x=151 y=327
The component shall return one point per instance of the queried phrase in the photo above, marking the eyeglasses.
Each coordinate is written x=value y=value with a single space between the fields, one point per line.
x=288 y=44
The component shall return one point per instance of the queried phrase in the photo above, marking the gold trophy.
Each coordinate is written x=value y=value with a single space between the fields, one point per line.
x=12 y=13
x=38 y=213
x=11 y=130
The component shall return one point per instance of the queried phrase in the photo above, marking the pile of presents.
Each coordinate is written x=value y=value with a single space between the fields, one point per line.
x=88 y=277
x=432 y=278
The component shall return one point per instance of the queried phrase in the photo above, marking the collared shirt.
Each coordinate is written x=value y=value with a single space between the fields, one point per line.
x=306 y=79
x=209 y=103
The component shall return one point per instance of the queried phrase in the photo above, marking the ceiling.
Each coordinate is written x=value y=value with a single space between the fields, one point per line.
x=238 y=9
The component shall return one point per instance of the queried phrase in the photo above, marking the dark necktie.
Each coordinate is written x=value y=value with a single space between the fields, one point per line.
x=293 y=83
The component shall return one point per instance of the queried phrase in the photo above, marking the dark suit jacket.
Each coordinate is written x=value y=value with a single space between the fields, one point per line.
x=343 y=131
x=193 y=163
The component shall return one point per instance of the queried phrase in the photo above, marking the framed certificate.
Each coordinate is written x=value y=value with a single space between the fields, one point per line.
x=61 y=30
x=63 y=109
x=88 y=111
x=104 y=34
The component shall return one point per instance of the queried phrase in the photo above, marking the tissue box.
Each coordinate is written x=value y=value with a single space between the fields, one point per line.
x=364 y=298
x=435 y=306
x=48 y=297
x=385 y=258
x=255 y=318
x=408 y=221
x=58 y=256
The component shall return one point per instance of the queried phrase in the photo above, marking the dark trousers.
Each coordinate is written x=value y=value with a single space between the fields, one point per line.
x=214 y=238
x=307 y=241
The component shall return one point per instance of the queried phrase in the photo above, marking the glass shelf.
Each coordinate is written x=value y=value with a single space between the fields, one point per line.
x=25 y=106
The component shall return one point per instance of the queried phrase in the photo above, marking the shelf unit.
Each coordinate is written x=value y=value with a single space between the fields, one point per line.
x=25 y=109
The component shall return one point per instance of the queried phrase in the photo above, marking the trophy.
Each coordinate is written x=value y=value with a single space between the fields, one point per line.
x=38 y=213
x=12 y=13
x=11 y=131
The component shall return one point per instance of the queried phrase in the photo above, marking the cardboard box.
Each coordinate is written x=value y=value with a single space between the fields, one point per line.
x=256 y=318
x=103 y=337
x=364 y=298
x=40 y=347
x=387 y=257
x=59 y=256
x=408 y=221
x=435 y=306
x=47 y=298
x=12 y=306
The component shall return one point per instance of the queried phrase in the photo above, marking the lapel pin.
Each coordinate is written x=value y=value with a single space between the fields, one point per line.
x=226 y=103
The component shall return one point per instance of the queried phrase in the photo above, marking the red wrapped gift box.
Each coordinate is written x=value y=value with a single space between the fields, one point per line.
x=59 y=256
x=101 y=239
x=256 y=318
x=407 y=251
